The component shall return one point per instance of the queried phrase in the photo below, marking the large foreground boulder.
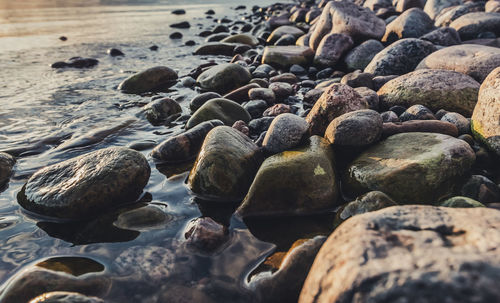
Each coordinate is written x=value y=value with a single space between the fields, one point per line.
x=411 y=167
x=435 y=89
x=86 y=185
x=155 y=78
x=223 y=78
x=409 y=254
x=486 y=117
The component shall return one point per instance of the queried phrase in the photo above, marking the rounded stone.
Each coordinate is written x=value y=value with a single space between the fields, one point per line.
x=462 y=123
x=155 y=78
x=360 y=56
x=223 y=78
x=461 y=202
x=331 y=48
x=242 y=39
x=159 y=110
x=65 y=297
x=6 y=167
x=221 y=109
x=286 y=56
x=354 y=129
x=470 y=25
x=286 y=131
x=201 y=99
x=412 y=23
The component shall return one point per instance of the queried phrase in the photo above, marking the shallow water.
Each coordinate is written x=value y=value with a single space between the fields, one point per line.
x=49 y=115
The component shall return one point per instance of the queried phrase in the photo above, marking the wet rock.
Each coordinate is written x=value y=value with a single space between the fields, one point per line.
x=370 y=97
x=276 y=110
x=223 y=78
x=226 y=165
x=338 y=99
x=417 y=112
x=379 y=81
x=288 y=78
x=345 y=17
x=298 y=70
x=462 y=123
x=286 y=56
x=175 y=36
x=434 y=7
x=76 y=62
x=155 y=78
x=141 y=145
x=360 y=56
x=286 y=40
x=205 y=234
x=484 y=123
x=415 y=126
x=396 y=252
x=477 y=61
x=255 y=108
x=65 y=297
x=262 y=71
x=281 y=90
x=450 y=14
x=481 y=189
x=160 y=110
x=114 y=52
x=216 y=38
x=469 y=26
x=389 y=116
x=184 y=146
x=215 y=49
x=285 y=132
x=153 y=47
x=242 y=127
x=242 y=39
x=331 y=48
x=411 y=167
x=201 y=99
x=188 y=81
x=357 y=79
x=240 y=95
x=152 y=264
x=400 y=58
x=265 y=94
x=368 y=202
x=257 y=126
x=461 y=202
x=284 y=30
x=6 y=167
x=412 y=23
x=298 y=181
x=444 y=36
x=190 y=43
x=183 y=24
x=435 y=89
x=355 y=129
x=221 y=109
x=86 y=185
x=142 y=218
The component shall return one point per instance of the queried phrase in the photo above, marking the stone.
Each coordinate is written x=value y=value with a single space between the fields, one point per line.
x=226 y=165
x=345 y=17
x=481 y=189
x=338 y=99
x=419 y=126
x=492 y=6
x=206 y=235
x=461 y=202
x=485 y=118
x=286 y=40
x=76 y=62
x=224 y=78
x=276 y=110
x=450 y=14
x=159 y=110
x=183 y=24
x=435 y=89
x=400 y=57
x=357 y=79
x=434 y=7
x=265 y=94
x=257 y=126
x=142 y=219
x=281 y=90
x=389 y=116
x=151 y=79
x=87 y=185
x=412 y=23
x=114 y=52
x=221 y=109
x=242 y=127
x=255 y=108
x=355 y=129
x=242 y=39
x=201 y=99
x=175 y=35
x=391 y=254
x=286 y=56
x=470 y=25
x=298 y=181
x=444 y=36
x=184 y=146
x=145 y=264
x=179 y=12
x=462 y=123
x=368 y=202
x=411 y=167
x=65 y=297
x=476 y=61
x=285 y=132
x=288 y=78
x=240 y=95
x=6 y=167
x=284 y=30
x=417 y=112
x=370 y=97
x=331 y=48
x=379 y=81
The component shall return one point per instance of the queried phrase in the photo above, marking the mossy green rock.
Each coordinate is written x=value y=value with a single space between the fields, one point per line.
x=286 y=56
x=243 y=39
x=461 y=202
x=224 y=78
x=435 y=89
x=411 y=167
x=226 y=165
x=155 y=78
x=219 y=109
x=298 y=181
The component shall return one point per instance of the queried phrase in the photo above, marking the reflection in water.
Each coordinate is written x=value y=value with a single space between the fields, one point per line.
x=75 y=266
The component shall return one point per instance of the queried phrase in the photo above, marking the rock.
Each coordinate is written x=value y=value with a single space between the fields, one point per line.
x=205 y=234
x=422 y=126
x=242 y=127
x=240 y=95
x=221 y=109
x=288 y=78
x=226 y=165
x=276 y=110
x=145 y=265
x=286 y=40
x=379 y=81
x=262 y=71
x=183 y=24
x=223 y=78
x=411 y=167
x=462 y=123
x=481 y=189
x=185 y=146
x=417 y=112
x=265 y=94
x=179 y=12
x=242 y=39
x=357 y=79
x=461 y=202
x=6 y=168
x=355 y=129
x=215 y=48
x=331 y=48
x=370 y=97
x=360 y=56
x=391 y=254
x=492 y=6
x=389 y=116
x=400 y=58
x=445 y=36
x=286 y=56
x=159 y=110
x=450 y=14
x=435 y=89
x=338 y=99
x=484 y=123
x=143 y=218
x=216 y=38
x=368 y=202
x=76 y=62
x=151 y=79
x=298 y=181
x=153 y=47
x=281 y=90
x=345 y=17
x=434 y=7
x=188 y=81
x=477 y=61
x=285 y=132
x=256 y=108
x=257 y=126
x=469 y=26
x=175 y=36
x=284 y=30
x=114 y=52
x=201 y=99
x=412 y=23
x=65 y=297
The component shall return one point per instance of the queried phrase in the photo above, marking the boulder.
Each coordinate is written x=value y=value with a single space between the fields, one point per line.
x=355 y=129
x=434 y=7
x=408 y=254
x=435 y=89
x=331 y=48
x=226 y=165
x=221 y=109
x=412 y=23
x=242 y=39
x=411 y=167
x=400 y=58
x=474 y=60
x=224 y=78
x=159 y=110
x=6 y=166
x=360 y=56
x=285 y=132
x=444 y=36
x=151 y=79
x=469 y=26
x=485 y=118
x=205 y=235
x=86 y=185
x=286 y=56
x=450 y=14
x=298 y=181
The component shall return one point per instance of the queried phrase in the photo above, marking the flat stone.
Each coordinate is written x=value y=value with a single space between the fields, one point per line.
x=286 y=56
x=155 y=78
